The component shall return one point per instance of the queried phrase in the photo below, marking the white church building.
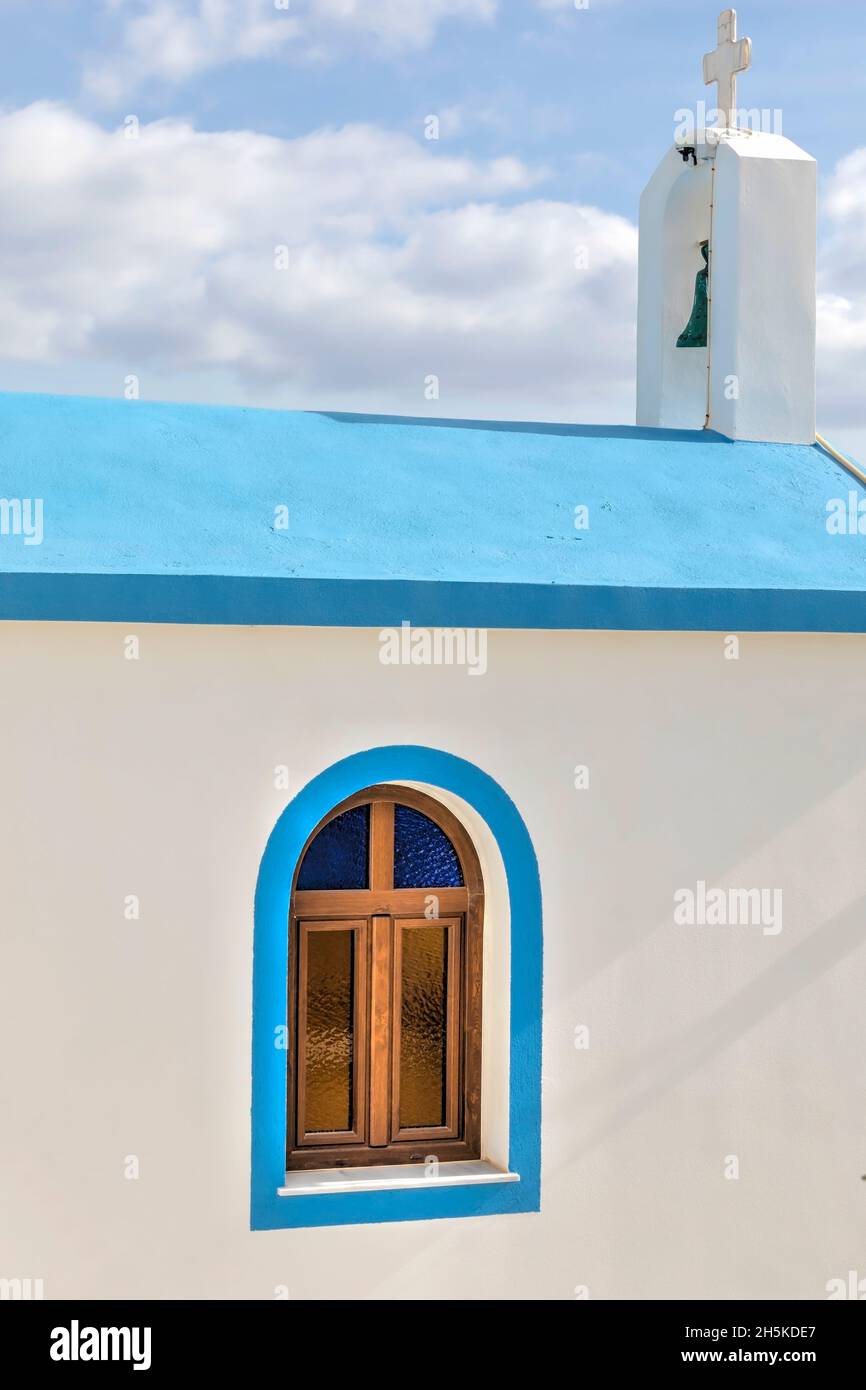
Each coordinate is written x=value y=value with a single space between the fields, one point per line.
x=433 y=850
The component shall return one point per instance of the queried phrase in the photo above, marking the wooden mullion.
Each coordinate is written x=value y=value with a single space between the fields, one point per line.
x=380 y=1031
x=382 y=846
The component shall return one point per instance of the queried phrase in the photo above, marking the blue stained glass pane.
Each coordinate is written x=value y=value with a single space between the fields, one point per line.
x=338 y=856
x=424 y=857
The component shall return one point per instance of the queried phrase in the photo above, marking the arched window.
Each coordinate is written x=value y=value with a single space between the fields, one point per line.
x=385 y=965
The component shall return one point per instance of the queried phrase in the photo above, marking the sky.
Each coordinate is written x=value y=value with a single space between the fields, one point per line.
x=376 y=204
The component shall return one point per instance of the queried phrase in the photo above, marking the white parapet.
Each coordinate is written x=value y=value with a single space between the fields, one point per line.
x=762 y=323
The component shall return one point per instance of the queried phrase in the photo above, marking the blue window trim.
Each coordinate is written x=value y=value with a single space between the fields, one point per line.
x=270 y=1212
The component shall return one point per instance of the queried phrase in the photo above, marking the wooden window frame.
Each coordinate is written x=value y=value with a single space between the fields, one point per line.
x=379 y=915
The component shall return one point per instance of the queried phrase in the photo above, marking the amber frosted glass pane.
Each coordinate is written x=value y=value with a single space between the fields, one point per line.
x=330 y=1030
x=423 y=1026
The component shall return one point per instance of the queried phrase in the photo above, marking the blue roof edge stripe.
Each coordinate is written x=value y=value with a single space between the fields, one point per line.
x=299 y=602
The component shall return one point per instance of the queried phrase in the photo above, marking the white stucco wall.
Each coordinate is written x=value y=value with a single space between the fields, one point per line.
x=120 y=1037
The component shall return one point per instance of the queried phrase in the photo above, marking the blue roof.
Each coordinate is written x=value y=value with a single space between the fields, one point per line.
x=166 y=513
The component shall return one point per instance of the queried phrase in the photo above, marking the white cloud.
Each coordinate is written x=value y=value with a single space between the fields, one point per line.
x=173 y=40
x=570 y=4
x=397 y=23
x=177 y=39
x=156 y=255
x=842 y=298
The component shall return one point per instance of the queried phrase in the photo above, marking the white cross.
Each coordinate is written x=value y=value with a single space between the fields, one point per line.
x=733 y=55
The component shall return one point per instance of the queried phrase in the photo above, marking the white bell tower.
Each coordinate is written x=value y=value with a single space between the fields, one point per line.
x=748 y=369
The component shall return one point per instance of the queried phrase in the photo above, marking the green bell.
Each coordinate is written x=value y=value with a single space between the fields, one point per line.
x=695 y=332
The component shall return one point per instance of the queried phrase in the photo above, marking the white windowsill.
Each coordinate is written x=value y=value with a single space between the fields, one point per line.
x=392 y=1176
